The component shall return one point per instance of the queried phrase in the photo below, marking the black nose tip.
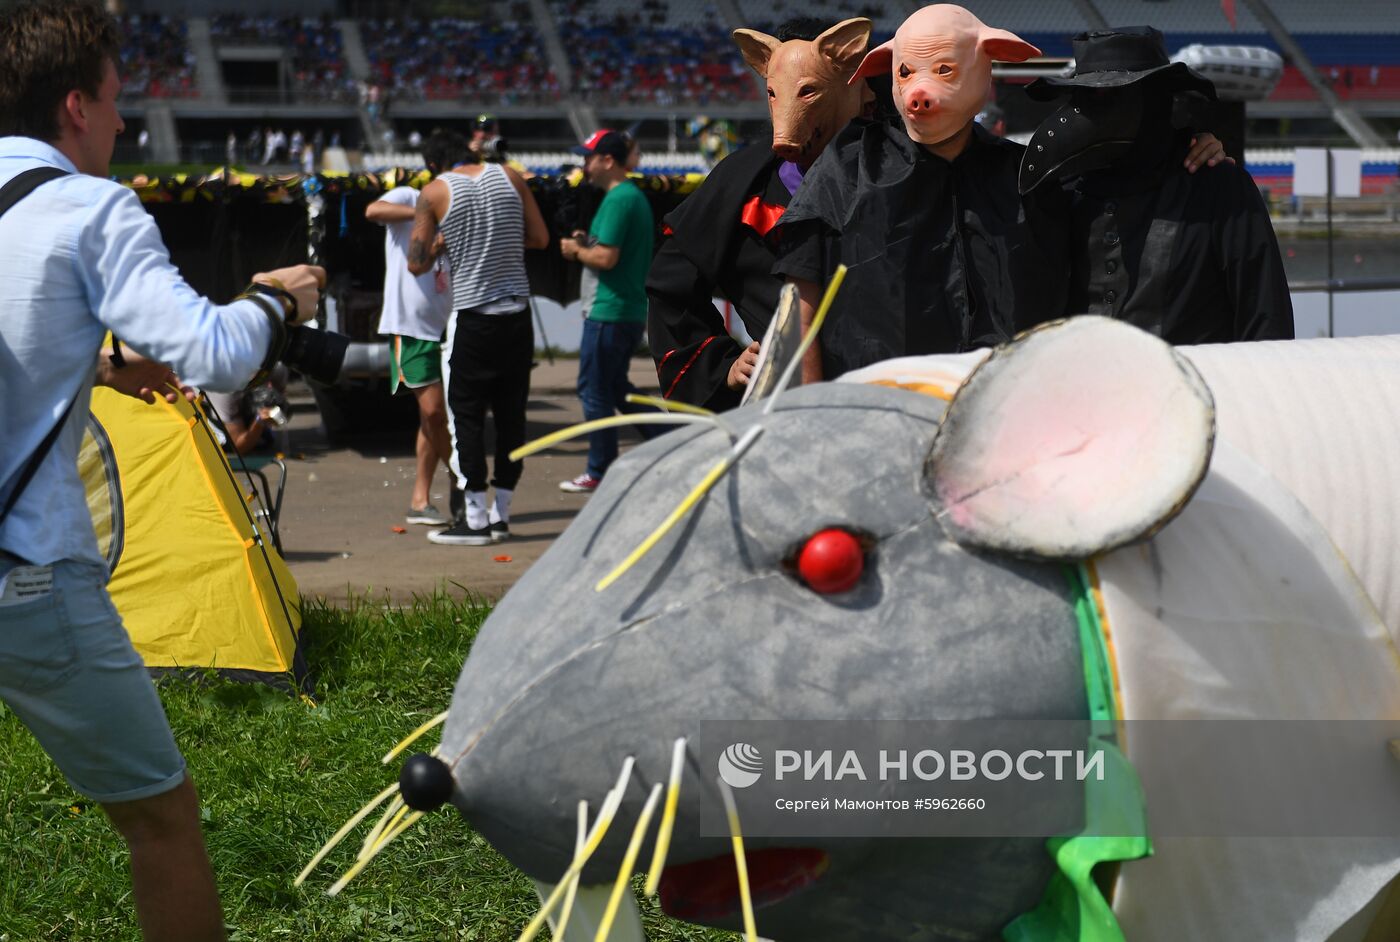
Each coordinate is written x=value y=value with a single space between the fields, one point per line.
x=425 y=782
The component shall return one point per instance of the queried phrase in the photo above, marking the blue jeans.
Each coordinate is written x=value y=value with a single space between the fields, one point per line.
x=604 y=356
x=69 y=672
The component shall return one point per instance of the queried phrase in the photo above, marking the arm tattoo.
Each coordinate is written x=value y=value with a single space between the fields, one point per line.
x=425 y=228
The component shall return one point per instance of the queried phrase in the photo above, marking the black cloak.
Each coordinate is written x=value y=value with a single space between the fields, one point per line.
x=721 y=242
x=1192 y=258
x=942 y=255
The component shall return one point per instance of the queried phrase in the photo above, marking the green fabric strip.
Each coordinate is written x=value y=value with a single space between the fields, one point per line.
x=1073 y=909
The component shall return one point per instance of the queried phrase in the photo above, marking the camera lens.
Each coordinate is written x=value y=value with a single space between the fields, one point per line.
x=316 y=354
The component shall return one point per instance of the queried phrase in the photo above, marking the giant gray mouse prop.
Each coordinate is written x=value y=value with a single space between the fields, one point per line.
x=985 y=501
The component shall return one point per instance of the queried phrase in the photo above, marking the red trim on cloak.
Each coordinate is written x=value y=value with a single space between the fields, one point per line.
x=759 y=216
x=687 y=366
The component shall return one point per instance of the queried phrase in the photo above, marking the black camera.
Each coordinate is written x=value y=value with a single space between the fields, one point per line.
x=314 y=353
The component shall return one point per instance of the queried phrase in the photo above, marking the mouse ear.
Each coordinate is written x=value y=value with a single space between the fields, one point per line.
x=1079 y=436
x=780 y=344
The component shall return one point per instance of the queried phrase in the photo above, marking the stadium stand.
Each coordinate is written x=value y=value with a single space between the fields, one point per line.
x=498 y=58
x=156 y=59
x=315 y=46
x=662 y=52
x=768 y=14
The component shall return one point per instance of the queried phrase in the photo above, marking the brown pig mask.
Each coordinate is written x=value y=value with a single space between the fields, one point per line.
x=941 y=62
x=809 y=98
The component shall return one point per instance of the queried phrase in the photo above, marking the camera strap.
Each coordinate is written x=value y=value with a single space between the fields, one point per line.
x=11 y=193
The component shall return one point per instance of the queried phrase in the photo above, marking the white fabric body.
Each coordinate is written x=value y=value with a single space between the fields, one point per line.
x=413 y=305
x=1274 y=595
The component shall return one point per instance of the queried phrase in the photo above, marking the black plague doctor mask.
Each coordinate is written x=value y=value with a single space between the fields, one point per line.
x=1116 y=111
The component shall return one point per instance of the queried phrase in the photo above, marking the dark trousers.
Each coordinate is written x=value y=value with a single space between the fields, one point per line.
x=489 y=368
x=604 y=355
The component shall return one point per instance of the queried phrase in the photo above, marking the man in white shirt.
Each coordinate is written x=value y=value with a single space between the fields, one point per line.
x=79 y=256
x=416 y=308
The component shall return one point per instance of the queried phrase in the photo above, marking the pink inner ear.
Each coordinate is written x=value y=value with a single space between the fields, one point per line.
x=876 y=62
x=1002 y=46
x=1077 y=438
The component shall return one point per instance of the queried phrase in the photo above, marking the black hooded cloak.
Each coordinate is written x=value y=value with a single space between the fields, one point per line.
x=1192 y=258
x=722 y=242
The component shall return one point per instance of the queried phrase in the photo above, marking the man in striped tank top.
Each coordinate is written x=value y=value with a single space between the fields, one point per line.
x=487 y=218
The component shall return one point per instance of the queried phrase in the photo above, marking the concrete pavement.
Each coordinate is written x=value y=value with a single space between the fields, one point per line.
x=342 y=505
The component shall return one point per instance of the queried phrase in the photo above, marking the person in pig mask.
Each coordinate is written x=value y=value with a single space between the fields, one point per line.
x=1191 y=258
x=943 y=254
x=722 y=238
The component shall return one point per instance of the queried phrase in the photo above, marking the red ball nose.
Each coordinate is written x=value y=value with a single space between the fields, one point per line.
x=831 y=561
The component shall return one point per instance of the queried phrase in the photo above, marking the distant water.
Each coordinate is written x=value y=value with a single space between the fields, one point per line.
x=1355 y=314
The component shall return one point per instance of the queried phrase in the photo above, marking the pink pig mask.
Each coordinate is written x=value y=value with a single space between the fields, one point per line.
x=941 y=61
x=809 y=98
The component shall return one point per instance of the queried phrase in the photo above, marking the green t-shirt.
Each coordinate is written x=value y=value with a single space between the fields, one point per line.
x=623 y=220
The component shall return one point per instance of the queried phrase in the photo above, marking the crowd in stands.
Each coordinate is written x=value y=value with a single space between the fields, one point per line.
x=658 y=52
x=156 y=59
x=501 y=60
x=318 y=61
x=641 y=56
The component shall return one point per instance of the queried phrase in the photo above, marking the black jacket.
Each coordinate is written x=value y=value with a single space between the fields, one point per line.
x=720 y=243
x=942 y=256
x=1190 y=257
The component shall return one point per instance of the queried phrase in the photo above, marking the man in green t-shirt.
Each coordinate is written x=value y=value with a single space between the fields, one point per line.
x=620 y=252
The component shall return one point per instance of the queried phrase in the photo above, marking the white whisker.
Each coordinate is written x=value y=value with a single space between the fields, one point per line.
x=595 y=837
x=360 y=865
x=668 y=818
x=345 y=829
x=572 y=893
x=629 y=860
x=731 y=811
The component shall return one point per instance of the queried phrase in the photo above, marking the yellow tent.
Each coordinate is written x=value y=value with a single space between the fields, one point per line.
x=195 y=581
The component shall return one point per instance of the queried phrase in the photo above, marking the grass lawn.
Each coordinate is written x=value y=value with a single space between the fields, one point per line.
x=276 y=778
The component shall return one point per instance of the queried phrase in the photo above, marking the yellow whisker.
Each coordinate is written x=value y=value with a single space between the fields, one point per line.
x=629 y=860
x=822 y=310
x=731 y=811
x=388 y=829
x=668 y=818
x=408 y=740
x=691 y=499
x=595 y=837
x=345 y=829
x=572 y=892
x=380 y=825
x=360 y=865
x=667 y=404
x=583 y=428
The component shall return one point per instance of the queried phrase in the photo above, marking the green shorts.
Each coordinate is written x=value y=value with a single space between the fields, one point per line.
x=414 y=363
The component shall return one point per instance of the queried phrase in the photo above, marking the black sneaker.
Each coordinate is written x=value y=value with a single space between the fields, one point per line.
x=500 y=531
x=459 y=534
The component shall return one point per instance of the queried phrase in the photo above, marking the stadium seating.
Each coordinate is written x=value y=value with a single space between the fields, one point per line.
x=661 y=52
x=498 y=59
x=318 y=63
x=768 y=14
x=156 y=59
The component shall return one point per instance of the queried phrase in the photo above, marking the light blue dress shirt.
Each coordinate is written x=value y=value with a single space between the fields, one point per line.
x=78 y=257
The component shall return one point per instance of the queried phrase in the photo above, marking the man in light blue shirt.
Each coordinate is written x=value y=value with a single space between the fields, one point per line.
x=79 y=257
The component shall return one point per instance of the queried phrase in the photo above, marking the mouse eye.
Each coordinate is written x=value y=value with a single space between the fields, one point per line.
x=831 y=561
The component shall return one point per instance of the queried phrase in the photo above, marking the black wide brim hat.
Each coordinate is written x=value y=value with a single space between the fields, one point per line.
x=1116 y=58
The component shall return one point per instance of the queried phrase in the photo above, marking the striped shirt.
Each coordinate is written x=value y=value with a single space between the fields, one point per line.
x=485 y=232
